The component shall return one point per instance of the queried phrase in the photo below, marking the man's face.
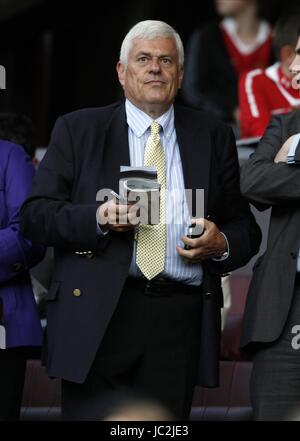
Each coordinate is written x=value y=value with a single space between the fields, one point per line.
x=153 y=76
x=295 y=67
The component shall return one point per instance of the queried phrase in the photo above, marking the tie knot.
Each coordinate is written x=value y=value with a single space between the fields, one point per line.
x=155 y=128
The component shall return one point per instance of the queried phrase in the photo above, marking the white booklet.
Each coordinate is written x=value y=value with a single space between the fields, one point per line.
x=138 y=185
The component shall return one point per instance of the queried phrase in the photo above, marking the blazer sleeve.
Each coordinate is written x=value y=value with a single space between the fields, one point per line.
x=265 y=182
x=236 y=220
x=16 y=253
x=49 y=216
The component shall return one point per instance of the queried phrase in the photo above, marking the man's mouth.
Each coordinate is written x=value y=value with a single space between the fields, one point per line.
x=154 y=82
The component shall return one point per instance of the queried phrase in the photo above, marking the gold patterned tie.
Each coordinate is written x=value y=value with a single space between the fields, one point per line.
x=151 y=239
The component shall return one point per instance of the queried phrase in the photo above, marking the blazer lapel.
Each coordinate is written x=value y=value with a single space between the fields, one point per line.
x=195 y=151
x=116 y=149
x=115 y=154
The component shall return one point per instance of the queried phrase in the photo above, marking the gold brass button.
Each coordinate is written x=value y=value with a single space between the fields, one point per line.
x=77 y=292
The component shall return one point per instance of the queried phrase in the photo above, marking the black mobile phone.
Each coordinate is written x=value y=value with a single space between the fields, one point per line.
x=194 y=231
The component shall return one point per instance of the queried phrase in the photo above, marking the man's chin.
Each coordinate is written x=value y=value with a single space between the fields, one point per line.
x=157 y=99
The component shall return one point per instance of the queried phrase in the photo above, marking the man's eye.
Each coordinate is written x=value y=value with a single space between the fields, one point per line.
x=142 y=59
x=166 y=60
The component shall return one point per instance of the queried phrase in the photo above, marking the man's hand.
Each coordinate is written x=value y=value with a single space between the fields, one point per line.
x=117 y=217
x=283 y=152
x=211 y=244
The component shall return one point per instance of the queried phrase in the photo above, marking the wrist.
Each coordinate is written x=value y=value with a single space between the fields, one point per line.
x=223 y=252
x=223 y=244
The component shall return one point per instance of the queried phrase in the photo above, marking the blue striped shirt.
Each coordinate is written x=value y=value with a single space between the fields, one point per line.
x=177 y=210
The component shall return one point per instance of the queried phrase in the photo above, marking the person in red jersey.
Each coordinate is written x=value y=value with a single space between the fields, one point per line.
x=220 y=52
x=263 y=93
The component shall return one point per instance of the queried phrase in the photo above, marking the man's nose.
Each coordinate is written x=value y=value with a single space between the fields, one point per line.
x=154 y=65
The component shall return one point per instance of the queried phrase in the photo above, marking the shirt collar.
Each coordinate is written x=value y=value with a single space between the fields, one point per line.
x=276 y=74
x=140 y=122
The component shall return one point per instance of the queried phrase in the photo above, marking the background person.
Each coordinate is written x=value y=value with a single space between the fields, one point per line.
x=220 y=52
x=263 y=93
x=18 y=128
x=273 y=302
x=19 y=316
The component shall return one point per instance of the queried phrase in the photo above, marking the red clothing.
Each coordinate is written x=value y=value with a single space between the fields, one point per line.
x=263 y=93
x=244 y=58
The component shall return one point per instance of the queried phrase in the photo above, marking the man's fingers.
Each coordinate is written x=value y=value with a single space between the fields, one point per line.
x=122 y=209
x=193 y=243
x=117 y=217
x=102 y=214
x=133 y=218
x=192 y=254
x=199 y=221
x=183 y=253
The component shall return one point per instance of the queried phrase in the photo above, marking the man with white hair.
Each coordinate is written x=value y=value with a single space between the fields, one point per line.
x=129 y=306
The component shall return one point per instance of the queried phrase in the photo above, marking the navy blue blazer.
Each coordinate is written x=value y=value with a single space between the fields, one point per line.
x=86 y=150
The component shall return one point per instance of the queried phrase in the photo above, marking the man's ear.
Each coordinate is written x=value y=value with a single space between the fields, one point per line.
x=121 y=69
x=287 y=54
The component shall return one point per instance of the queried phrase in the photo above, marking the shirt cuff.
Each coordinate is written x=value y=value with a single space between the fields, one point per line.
x=225 y=255
x=292 y=154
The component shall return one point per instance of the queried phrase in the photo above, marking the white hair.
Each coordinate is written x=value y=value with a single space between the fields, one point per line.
x=147 y=30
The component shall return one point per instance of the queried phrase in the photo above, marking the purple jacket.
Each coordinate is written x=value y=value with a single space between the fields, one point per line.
x=17 y=255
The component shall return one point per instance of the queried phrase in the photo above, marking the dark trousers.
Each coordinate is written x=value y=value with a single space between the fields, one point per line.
x=151 y=346
x=12 y=376
x=275 y=380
